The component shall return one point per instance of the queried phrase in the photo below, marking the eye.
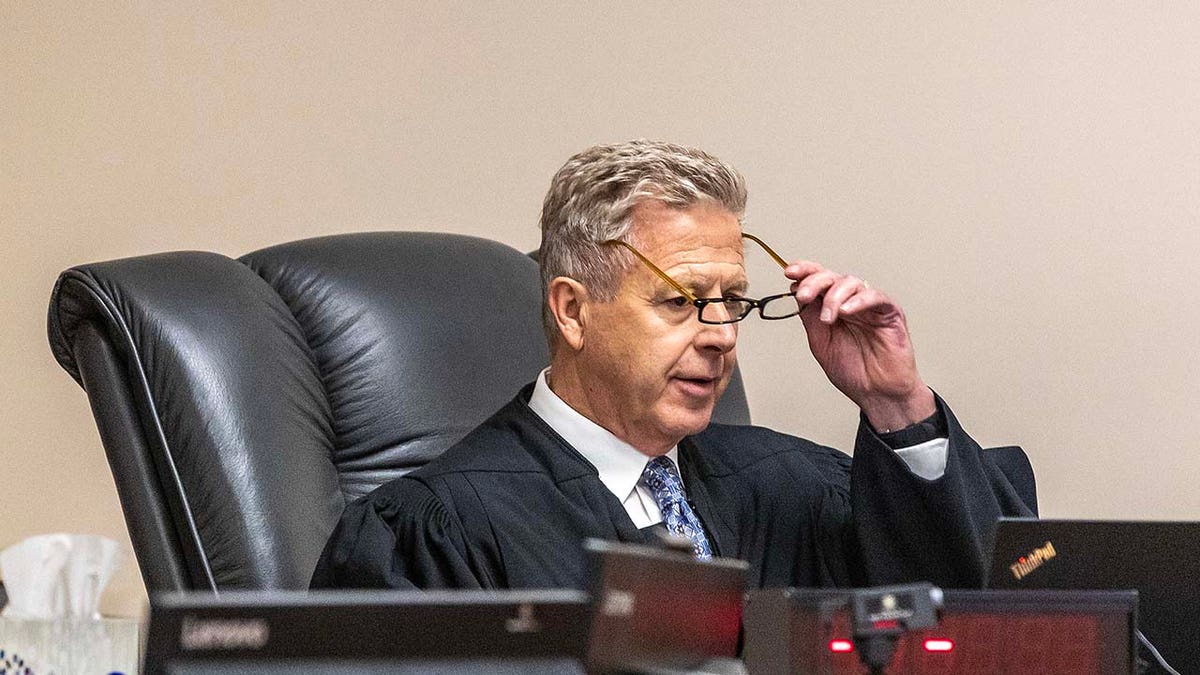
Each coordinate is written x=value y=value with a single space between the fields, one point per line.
x=677 y=301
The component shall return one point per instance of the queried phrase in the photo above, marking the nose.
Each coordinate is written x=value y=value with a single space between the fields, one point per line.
x=720 y=337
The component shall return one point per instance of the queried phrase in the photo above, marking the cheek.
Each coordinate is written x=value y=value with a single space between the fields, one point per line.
x=639 y=346
x=650 y=338
x=671 y=347
x=727 y=372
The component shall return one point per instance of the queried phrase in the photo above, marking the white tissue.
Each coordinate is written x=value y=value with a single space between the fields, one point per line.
x=53 y=576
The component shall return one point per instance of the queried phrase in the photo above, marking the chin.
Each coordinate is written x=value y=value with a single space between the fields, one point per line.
x=688 y=422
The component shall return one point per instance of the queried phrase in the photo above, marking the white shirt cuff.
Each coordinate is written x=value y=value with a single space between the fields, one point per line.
x=928 y=459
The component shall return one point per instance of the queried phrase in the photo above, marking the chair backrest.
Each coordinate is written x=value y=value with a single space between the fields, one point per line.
x=242 y=403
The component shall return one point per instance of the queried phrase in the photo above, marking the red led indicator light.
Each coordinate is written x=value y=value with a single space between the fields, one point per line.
x=939 y=645
x=841 y=646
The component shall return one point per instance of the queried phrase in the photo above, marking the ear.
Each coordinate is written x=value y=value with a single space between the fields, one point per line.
x=567 y=300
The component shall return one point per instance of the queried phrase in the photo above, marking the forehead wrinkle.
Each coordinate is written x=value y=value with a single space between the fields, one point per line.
x=701 y=274
x=682 y=253
x=703 y=255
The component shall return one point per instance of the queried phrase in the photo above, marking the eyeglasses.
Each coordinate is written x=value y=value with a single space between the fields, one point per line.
x=731 y=308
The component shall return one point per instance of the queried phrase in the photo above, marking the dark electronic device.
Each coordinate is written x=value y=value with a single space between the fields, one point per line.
x=342 y=632
x=649 y=610
x=1161 y=560
x=811 y=631
x=662 y=611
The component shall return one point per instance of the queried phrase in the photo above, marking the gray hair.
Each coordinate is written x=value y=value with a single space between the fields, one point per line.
x=592 y=197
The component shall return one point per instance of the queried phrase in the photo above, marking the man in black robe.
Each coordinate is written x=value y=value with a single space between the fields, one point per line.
x=644 y=282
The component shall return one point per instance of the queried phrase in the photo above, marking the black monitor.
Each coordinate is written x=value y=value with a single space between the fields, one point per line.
x=663 y=611
x=1161 y=560
x=367 y=632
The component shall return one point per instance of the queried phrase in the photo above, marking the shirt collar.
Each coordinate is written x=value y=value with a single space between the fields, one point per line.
x=619 y=464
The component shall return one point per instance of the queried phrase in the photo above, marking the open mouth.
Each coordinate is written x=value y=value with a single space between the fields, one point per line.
x=697 y=386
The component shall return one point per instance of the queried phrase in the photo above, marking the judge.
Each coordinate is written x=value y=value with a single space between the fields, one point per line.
x=644 y=282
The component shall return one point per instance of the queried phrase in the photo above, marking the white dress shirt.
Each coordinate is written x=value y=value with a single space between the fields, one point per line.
x=620 y=464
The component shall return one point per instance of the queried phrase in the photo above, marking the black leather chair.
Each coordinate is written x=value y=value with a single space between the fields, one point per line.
x=242 y=403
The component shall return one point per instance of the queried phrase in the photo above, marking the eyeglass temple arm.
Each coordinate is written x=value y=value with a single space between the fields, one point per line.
x=682 y=291
x=771 y=252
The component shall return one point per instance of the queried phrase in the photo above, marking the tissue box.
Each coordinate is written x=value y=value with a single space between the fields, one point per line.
x=65 y=647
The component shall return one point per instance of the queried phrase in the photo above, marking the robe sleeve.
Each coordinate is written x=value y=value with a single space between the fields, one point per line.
x=401 y=536
x=912 y=529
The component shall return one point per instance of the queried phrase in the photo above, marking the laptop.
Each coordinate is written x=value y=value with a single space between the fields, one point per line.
x=1159 y=559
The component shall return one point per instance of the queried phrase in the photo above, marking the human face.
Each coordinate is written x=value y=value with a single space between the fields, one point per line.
x=651 y=372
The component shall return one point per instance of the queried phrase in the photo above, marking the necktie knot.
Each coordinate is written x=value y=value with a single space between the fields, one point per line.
x=664 y=483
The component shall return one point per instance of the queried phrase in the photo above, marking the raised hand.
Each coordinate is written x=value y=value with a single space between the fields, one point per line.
x=860 y=338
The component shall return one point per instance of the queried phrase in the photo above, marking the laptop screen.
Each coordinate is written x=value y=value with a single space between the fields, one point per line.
x=1159 y=559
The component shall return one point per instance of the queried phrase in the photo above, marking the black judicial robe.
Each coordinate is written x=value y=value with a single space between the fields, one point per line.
x=510 y=505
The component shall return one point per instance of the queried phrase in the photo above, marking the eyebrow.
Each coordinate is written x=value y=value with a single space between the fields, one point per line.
x=696 y=280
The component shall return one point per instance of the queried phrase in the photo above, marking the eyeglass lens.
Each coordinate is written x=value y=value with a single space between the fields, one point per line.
x=728 y=310
x=731 y=310
x=782 y=306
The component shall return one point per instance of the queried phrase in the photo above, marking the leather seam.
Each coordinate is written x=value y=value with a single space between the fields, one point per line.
x=311 y=354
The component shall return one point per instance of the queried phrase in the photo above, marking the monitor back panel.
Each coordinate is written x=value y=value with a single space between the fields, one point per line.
x=662 y=611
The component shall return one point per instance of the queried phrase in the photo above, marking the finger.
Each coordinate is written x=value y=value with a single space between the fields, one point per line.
x=865 y=299
x=810 y=314
x=800 y=269
x=869 y=302
x=814 y=285
x=838 y=294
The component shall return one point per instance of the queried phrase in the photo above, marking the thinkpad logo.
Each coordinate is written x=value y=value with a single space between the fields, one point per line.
x=1032 y=560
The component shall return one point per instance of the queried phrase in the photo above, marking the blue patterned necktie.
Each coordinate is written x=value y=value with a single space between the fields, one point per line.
x=664 y=483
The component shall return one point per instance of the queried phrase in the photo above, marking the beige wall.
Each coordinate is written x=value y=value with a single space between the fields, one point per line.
x=1025 y=177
